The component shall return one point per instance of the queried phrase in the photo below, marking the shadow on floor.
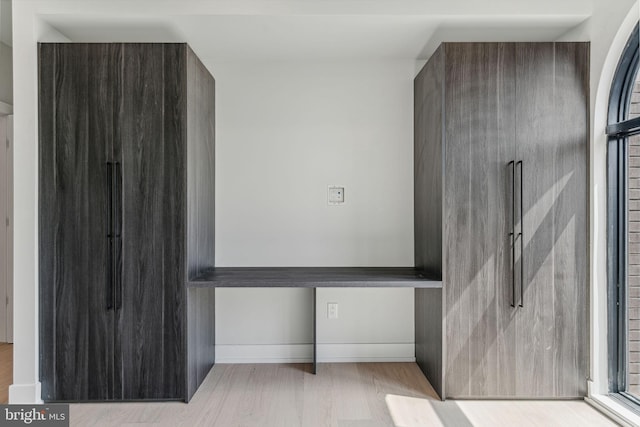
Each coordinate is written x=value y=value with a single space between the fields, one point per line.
x=450 y=414
x=412 y=411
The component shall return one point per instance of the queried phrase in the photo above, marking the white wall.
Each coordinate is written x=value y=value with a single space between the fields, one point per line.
x=285 y=131
x=373 y=325
x=28 y=30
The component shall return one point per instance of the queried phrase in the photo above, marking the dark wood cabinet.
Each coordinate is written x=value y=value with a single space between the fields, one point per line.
x=551 y=328
x=117 y=127
x=75 y=326
x=501 y=153
x=479 y=132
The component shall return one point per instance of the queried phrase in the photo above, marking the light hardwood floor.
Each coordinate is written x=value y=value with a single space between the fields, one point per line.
x=6 y=370
x=341 y=395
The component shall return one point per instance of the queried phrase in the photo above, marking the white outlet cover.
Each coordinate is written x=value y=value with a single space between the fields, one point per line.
x=332 y=310
x=335 y=194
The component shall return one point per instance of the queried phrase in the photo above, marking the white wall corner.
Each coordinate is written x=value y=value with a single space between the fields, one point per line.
x=28 y=29
x=25 y=394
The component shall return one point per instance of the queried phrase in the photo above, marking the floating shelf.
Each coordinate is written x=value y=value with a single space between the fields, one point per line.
x=315 y=277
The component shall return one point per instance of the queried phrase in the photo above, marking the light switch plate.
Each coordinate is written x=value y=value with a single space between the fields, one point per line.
x=332 y=310
x=335 y=194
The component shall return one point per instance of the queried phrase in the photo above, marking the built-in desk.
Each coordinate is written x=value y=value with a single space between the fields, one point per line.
x=316 y=277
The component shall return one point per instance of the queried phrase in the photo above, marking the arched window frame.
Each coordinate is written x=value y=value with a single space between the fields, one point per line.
x=619 y=128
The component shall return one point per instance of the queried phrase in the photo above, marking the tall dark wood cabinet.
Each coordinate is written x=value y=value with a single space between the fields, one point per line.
x=501 y=216
x=126 y=218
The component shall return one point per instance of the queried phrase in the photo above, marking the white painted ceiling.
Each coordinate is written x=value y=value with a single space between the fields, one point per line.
x=315 y=29
x=232 y=38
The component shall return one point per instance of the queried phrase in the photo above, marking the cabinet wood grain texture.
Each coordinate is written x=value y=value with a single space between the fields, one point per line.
x=503 y=103
x=201 y=305
x=429 y=336
x=200 y=235
x=75 y=325
x=479 y=134
x=114 y=218
x=201 y=200
x=149 y=343
x=427 y=164
x=552 y=117
x=428 y=188
x=314 y=277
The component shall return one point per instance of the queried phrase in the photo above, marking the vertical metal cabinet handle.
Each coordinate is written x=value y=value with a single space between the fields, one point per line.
x=118 y=235
x=512 y=233
x=110 y=236
x=117 y=268
x=110 y=197
x=521 y=234
x=117 y=229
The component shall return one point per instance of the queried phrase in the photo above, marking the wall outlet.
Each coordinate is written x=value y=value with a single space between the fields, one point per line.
x=335 y=195
x=332 y=310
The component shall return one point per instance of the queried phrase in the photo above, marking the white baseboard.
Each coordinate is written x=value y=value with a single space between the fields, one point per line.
x=366 y=352
x=303 y=353
x=25 y=394
x=249 y=353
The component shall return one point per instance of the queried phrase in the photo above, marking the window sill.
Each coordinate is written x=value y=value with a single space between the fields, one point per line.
x=614 y=409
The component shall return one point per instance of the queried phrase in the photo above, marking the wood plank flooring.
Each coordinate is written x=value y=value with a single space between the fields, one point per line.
x=6 y=370
x=341 y=395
